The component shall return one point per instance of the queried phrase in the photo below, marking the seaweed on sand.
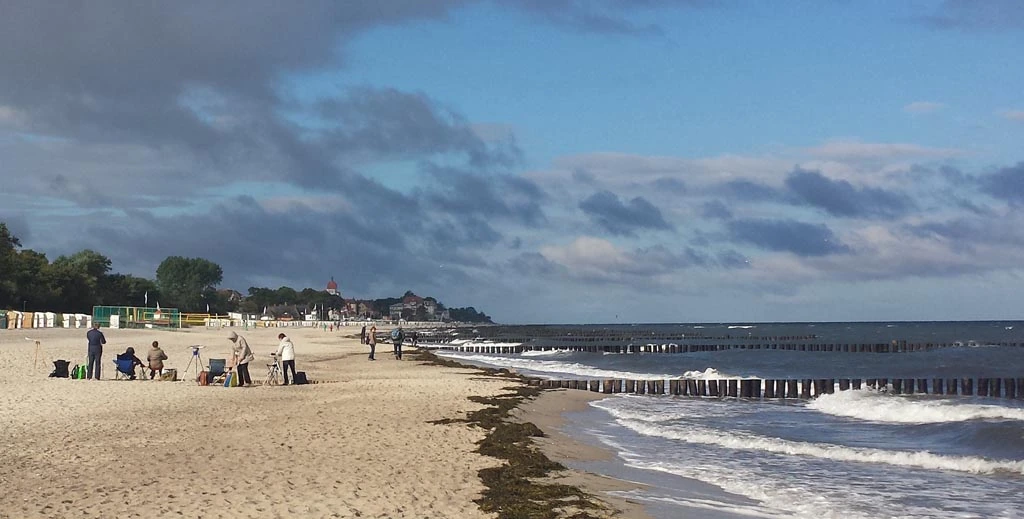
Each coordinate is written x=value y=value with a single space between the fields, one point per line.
x=513 y=490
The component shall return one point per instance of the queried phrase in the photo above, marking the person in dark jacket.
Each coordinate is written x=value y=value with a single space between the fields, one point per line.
x=96 y=342
x=362 y=336
x=397 y=336
x=129 y=354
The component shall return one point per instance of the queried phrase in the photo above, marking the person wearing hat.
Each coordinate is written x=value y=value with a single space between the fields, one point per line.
x=243 y=355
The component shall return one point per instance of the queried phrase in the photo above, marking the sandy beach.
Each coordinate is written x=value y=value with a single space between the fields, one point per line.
x=358 y=444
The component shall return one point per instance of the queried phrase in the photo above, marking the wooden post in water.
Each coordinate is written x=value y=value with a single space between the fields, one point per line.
x=844 y=384
x=1011 y=388
x=792 y=389
x=951 y=386
x=702 y=387
x=713 y=388
x=745 y=388
x=908 y=386
x=630 y=387
x=607 y=389
x=659 y=387
x=937 y=388
x=641 y=387
x=805 y=388
x=732 y=388
x=769 y=388
x=755 y=388
x=856 y=383
x=723 y=387
x=1020 y=388
x=982 y=387
x=691 y=387
x=673 y=387
x=967 y=386
x=897 y=385
x=995 y=388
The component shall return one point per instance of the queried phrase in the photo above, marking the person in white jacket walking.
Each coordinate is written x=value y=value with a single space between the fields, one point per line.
x=286 y=352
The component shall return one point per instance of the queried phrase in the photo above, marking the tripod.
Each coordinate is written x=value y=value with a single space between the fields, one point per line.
x=195 y=359
x=273 y=372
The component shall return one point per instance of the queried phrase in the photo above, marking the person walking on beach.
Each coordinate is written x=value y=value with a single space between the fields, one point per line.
x=156 y=360
x=243 y=355
x=362 y=335
x=96 y=342
x=286 y=352
x=372 y=341
x=397 y=336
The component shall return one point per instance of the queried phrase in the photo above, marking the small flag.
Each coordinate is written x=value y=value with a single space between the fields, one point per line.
x=147 y=297
x=207 y=307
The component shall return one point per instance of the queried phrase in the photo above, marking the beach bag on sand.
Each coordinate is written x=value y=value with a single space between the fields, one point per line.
x=227 y=379
x=300 y=378
x=203 y=379
x=60 y=369
x=78 y=372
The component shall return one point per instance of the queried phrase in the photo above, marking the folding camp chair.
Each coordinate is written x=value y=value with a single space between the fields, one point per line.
x=125 y=369
x=215 y=369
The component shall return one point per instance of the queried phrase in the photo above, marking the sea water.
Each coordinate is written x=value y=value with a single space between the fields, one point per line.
x=861 y=453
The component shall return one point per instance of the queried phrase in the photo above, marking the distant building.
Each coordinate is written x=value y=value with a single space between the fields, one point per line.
x=332 y=287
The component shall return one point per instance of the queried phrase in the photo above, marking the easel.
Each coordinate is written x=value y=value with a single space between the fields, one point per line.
x=195 y=359
x=39 y=349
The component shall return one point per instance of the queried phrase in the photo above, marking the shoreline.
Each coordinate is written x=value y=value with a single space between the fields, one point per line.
x=547 y=411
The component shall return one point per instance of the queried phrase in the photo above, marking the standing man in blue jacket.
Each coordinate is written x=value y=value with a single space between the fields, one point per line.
x=96 y=342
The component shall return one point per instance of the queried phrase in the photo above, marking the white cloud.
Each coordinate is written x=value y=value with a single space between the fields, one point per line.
x=586 y=253
x=1014 y=115
x=853 y=150
x=923 y=107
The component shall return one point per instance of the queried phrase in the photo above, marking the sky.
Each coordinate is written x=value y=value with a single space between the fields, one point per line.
x=545 y=161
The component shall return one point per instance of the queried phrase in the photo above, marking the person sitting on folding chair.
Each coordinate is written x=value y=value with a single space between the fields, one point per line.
x=126 y=363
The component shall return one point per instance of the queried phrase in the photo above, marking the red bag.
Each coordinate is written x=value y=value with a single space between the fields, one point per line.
x=203 y=379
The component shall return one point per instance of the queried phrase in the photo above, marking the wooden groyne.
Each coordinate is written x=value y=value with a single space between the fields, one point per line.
x=520 y=345
x=995 y=387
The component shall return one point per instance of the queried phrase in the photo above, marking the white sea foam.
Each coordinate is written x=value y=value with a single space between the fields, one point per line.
x=708 y=374
x=873 y=406
x=543 y=353
x=553 y=367
x=738 y=440
x=734 y=326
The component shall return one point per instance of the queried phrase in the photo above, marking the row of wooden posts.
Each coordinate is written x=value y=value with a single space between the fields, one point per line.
x=511 y=347
x=1006 y=387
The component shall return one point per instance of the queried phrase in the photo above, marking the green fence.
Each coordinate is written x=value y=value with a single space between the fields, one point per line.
x=137 y=316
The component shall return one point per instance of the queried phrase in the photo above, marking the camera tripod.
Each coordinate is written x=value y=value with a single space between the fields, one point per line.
x=196 y=359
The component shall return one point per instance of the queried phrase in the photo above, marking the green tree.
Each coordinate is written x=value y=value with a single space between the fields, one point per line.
x=127 y=290
x=187 y=282
x=9 y=245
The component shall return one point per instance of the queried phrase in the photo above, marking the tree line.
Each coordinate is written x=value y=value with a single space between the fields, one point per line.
x=76 y=283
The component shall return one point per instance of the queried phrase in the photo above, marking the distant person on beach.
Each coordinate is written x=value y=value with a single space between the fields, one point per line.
x=415 y=338
x=129 y=354
x=156 y=360
x=397 y=336
x=373 y=329
x=243 y=355
x=96 y=342
x=362 y=335
x=286 y=352
x=372 y=341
